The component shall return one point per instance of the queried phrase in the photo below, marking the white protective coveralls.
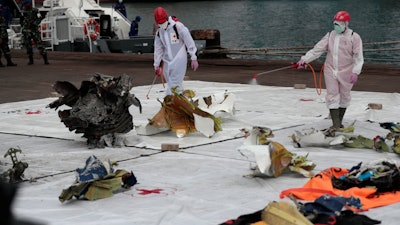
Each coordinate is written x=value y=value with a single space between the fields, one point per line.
x=344 y=57
x=172 y=51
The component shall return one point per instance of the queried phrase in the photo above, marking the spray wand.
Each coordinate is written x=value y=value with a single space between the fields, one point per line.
x=157 y=74
x=254 y=80
x=271 y=71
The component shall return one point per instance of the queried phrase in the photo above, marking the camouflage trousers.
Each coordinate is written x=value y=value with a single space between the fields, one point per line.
x=30 y=39
x=4 y=48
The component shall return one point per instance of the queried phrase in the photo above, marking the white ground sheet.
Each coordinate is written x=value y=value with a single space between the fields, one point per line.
x=204 y=182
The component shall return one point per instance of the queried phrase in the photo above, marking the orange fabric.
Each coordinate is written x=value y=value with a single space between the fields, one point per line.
x=259 y=223
x=321 y=184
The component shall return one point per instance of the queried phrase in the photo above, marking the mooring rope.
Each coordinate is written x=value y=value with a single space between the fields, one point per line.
x=273 y=51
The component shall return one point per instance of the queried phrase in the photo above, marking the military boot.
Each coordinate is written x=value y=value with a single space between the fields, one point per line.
x=30 y=60
x=46 y=61
x=9 y=62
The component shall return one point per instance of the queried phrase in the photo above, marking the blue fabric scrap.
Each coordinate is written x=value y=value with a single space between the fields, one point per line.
x=330 y=205
x=94 y=170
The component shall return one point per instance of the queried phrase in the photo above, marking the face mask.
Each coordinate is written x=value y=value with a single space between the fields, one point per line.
x=339 y=27
x=163 y=25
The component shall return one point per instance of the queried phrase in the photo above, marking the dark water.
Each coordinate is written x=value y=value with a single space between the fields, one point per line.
x=283 y=23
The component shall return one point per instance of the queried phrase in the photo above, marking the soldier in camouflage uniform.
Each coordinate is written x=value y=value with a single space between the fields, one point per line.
x=30 y=32
x=4 y=41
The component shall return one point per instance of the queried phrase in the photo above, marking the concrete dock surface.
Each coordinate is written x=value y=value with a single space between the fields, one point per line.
x=28 y=82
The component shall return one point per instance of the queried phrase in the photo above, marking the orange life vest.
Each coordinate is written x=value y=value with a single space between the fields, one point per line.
x=321 y=184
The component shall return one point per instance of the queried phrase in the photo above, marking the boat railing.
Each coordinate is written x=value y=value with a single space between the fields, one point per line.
x=48 y=3
x=46 y=33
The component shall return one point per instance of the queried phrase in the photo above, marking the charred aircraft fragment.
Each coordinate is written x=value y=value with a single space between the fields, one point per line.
x=99 y=108
x=181 y=115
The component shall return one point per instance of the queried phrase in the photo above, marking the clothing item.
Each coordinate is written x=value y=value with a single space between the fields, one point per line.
x=344 y=57
x=171 y=46
x=134 y=29
x=163 y=25
x=342 y=16
x=30 y=32
x=4 y=48
x=321 y=184
x=160 y=15
x=194 y=65
x=329 y=205
x=339 y=26
x=353 y=78
x=301 y=64
x=120 y=7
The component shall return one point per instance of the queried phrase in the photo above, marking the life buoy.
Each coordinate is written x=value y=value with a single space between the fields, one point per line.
x=91 y=28
x=42 y=30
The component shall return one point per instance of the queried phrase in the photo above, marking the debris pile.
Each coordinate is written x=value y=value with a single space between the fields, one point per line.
x=323 y=210
x=99 y=108
x=98 y=180
x=346 y=137
x=272 y=158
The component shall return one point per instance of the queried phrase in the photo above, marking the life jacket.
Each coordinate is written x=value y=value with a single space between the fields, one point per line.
x=321 y=184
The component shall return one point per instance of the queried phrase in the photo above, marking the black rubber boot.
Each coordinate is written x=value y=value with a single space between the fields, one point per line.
x=46 y=61
x=1 y=64
x=9 y=62
x=335 y=123
x=30 y=60
x=342 y=111
x=335 y=116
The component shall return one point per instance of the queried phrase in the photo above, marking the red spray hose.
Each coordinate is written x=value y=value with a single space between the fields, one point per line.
x=318 y=86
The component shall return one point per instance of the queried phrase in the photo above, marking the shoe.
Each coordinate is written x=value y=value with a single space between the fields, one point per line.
x=11 y=64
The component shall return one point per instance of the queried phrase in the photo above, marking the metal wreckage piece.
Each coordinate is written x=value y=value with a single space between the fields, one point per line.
x=272 y=158
x=99 y=108
x=347 y=138
x=16 y=173
x=182 y=115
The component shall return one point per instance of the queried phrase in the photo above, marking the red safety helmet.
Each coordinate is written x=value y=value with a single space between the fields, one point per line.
x=160 y=15
x=342 y=16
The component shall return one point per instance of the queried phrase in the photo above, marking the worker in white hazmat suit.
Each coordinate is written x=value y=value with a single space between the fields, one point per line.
x=343 y=64
x=172 y=43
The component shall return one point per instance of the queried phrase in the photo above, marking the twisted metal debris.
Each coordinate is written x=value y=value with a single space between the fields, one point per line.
x=99 y=108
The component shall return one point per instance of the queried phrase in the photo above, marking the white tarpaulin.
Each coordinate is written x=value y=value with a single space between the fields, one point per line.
x=205 y=181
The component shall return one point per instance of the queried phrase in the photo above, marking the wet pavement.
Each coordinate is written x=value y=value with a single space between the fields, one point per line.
x=28 y=82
